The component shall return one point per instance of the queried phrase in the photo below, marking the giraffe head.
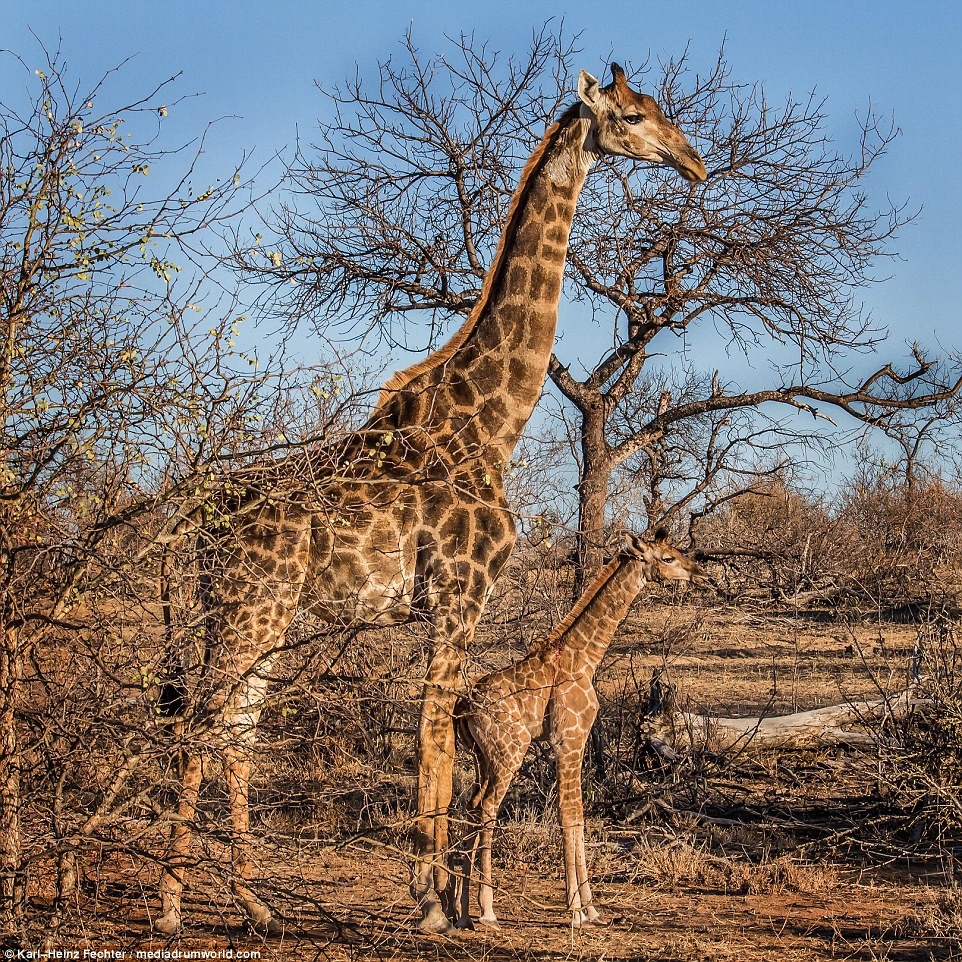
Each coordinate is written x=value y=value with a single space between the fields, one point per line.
x=631 y=124
x=663 y=562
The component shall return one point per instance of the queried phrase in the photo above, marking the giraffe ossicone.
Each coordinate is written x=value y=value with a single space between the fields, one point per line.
x=407 y=517
x=550 y=694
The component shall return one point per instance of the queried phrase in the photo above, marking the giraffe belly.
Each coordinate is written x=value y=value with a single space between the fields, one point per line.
x=374 y=600
x=362 y=576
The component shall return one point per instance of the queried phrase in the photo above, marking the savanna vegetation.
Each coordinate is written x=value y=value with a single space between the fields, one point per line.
x=130 y=278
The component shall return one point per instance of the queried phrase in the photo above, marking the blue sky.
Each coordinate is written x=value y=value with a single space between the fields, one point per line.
x=256 y=64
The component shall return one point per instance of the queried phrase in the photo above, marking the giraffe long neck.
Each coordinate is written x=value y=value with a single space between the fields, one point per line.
x=590 y=627
x=477 y=392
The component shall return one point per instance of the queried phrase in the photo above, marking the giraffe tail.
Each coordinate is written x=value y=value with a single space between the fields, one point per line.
x=462 y=730
x=465 y=740
x=172 y=691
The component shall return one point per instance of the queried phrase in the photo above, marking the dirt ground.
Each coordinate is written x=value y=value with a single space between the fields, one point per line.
x=352 y=904
x=692 y=886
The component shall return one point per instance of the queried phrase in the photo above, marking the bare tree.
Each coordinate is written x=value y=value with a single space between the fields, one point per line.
x=396 y=209
x=117 y=394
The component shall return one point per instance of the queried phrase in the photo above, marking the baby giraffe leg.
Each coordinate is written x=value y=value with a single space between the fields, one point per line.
x=569 y=754
x=497 y=789
x=172 y=881
x=584 y=885
x=498 y=738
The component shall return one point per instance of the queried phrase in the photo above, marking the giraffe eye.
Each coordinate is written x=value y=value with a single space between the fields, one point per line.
x=633 y=118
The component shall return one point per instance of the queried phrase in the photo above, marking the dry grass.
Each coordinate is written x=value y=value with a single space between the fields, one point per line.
x=941 y=918
x=728 y=858
x=680 y=864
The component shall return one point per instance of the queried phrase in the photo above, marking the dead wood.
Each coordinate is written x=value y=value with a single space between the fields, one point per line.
x=852 y=723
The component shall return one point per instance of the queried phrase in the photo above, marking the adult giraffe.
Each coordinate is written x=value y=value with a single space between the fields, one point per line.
x=408 y=516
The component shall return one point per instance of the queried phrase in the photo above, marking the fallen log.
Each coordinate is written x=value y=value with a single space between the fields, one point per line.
x=852 y=723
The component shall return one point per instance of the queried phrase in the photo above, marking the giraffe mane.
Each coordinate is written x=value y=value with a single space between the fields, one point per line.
x=401 y=379
x=587 y=596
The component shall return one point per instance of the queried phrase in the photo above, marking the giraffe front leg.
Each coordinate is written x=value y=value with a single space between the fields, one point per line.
x=591 y=914
x=237 y=769
x=452 y=634
x=170 y=921
x=570 y=734
x=435 y=775
x=577 y=884
x=241 y=718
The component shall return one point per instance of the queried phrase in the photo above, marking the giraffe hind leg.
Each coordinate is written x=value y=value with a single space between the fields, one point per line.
x=238 y=734
x=466 y=856
x=490 y=804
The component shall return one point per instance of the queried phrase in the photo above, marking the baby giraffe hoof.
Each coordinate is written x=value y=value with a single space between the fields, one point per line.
x=581 y=918
x=490 y=922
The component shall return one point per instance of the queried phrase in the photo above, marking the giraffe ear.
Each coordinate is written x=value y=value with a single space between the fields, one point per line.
x=588 y=88
x=636 y=545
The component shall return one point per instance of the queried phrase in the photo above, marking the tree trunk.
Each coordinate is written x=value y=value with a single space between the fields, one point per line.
x=596 y=467
x=12 y=872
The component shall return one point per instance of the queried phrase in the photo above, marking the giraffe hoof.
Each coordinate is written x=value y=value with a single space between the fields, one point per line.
x=466 y=924
x=490 y=922
x=435 y=922
x=168 y=924
x=269 y=926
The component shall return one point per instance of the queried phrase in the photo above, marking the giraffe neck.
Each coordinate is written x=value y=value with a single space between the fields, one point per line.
x=589 y=629
x=481 y=388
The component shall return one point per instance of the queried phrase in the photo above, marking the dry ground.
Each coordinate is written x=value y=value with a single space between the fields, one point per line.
x=775 y=876
x=352 y=904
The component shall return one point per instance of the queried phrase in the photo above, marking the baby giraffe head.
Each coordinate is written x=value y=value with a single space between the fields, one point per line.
x=663 y=561
x=629 y=123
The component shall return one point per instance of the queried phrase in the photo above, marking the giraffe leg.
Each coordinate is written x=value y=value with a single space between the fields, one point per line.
x=569 y=754
x=240 y=723
x=485 y=875
x=584 y=884
x=469 y=841
x=436 y=752
x=237 y=768
x=445 y=791
x=457 y=895
x=498 y=787
x=577 y=885
x=452 y=634
x=172 y=881
x=250 y=584
x=461 y=900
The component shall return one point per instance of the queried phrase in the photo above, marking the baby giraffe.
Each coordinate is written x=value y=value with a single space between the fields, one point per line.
x=549 y=694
